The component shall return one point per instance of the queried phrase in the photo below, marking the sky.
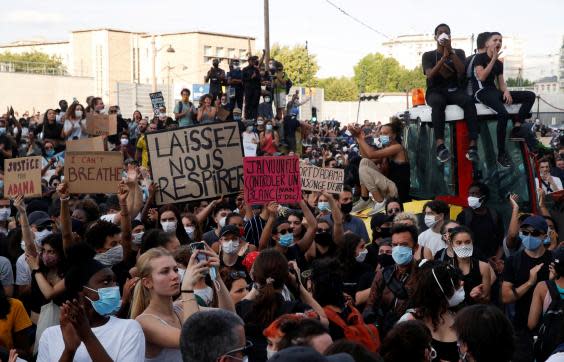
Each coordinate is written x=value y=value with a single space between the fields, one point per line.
x=337 y=40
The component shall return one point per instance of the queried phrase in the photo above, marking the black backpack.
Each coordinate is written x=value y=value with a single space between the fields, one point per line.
x=548 y=337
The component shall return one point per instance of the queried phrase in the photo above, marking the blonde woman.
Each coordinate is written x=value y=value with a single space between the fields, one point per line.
x=153 y=306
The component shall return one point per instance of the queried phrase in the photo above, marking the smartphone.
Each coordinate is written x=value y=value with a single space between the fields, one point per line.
x=194 y=247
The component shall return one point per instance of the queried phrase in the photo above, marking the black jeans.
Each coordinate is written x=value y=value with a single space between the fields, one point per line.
x=493 y=98
x=439 y=98
x=252 y=98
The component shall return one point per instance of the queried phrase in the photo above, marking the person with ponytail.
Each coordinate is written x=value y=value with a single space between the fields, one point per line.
x=88 y=331
x=153 y=306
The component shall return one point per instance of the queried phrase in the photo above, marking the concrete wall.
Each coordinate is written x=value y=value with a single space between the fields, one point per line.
x=381 y=110
x=25 y=92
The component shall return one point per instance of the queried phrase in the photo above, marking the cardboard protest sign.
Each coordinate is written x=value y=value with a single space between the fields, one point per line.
x=322 y=179
x=22 y=176
x=222 y=113
x=250 y=149
x=272 y=179
x=86 y=144
x=93 y=172
x=157 y=101
x=101 y=124
x=197 y=162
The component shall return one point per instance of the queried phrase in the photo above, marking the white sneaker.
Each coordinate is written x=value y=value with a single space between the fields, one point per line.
x=377 y=208
x=361 y=205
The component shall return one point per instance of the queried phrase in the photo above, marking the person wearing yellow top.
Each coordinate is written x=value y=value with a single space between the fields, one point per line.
x=142 y=154
x=14 y=325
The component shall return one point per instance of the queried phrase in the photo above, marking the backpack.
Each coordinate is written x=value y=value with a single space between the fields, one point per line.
x=289 y=86
x=548 y=336
x=355 y=329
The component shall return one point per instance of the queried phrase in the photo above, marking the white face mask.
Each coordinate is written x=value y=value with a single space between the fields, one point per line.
x=222 y=221
x=110 y=257
x=5 y=213
x=269 y=353
x=137 y=237
x=362 y=255
x=206 y=294
x=40 y=235
x=463 y=251
x=457 y=297
x=78 y=114
x=474 y=202
x=430 y=220
x=190 y=230
x=168 y=226
x=124 y=141
x=230 y=247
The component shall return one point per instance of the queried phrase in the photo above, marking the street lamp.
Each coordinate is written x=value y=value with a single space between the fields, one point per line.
x=170 y=49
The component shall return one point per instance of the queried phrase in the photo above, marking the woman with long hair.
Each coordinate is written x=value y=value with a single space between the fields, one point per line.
x=269 y=140
x=171 y=222
x=52 y=130
x=351 y=255
x=206 y=112
x=75 y=122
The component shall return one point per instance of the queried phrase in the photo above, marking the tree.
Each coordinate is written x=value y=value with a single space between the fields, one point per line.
x=34 y=62
x=377 y=73
x=518 y=82
x=300 y=65
x=339 y=89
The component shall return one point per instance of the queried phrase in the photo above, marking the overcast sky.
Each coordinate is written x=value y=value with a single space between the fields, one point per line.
x=337 y=40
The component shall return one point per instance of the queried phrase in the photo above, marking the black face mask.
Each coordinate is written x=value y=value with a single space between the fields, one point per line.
x=347 y=208
x=385 y=232
x=323 y=239
x=385 y=260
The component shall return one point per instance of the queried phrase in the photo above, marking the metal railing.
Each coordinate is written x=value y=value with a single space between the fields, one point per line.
x=32 y=67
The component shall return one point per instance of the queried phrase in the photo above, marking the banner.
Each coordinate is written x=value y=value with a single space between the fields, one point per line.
x=101 y=124
x=93 y=172
x=196 y=162
x=86 y=144
x=157 y=101
x=198 y=90
x=272 y=179
x=22 y=176
x=322 y=179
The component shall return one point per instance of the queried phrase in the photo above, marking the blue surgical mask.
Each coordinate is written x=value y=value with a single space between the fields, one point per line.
x=286 y=240
x=323 y=206
x=385 y=140
x=530 y=242
x=109 y=300
x=50 y=152
x=402 y=254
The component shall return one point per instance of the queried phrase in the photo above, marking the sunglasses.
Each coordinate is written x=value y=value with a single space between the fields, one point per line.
x=44 y=227
x=394 y=210
x=534 y=233
x=237 y=275
x=284 y=231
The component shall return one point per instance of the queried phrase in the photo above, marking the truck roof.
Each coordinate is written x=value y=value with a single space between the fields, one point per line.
x=455 y=113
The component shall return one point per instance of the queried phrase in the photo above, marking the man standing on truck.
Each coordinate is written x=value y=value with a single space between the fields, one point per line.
x=444 y=69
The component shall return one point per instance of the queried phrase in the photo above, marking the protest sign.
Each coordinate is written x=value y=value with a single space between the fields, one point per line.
x=86 y=144
x=322 y=179
x=198 y=90
x=93 y=172
x=197 y=162
x=250 y=149
x=22 y=176
x=157 y=101
x=101 y=124
x=222 y=113
x=272 y=179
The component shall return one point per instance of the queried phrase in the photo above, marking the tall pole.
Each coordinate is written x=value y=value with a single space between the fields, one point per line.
x=266 y=33
x=154 y=64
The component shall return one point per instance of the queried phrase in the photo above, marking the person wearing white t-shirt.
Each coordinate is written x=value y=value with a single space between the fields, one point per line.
x=88 y=331
x=74 y=126
x=436 y=213
x=250 y=141
x=550 y=183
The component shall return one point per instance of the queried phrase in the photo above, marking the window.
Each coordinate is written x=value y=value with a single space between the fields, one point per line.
x=219 y=52
x=207 y=54
x=231 y=53
x=242 y=53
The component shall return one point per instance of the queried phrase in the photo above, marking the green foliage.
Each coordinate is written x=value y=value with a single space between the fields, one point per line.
x=518 y=82
x=299 y=65
x=34 y=62
x=377 y=73
x=339 y=89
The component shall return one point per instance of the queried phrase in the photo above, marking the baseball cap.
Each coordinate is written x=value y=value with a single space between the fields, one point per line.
x=307 y=354
x=229 y=229
x=39 y=218
x=537 y=222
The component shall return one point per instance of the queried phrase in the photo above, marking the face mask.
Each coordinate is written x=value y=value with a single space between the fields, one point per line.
x=547 y=240
x=109 y=300
x=224 y=103
x=168 y=226
x=530 y=242
x=231 y=246
x=50 y=260
x=236 y=117
x=457 y=297
x=50 y=152
x=362 y=255
x=162 y=116
x=385 y=260
x=402 y=255
x=269 y=353
x=40 y=235
x=323 y=206
x=181 y=273
x=250 y=129
x=206 y=294
x=269 y=127
x=474 y=202
x=5 y=213
x=110 y=257
x=430 y=220
x=124 y=141
x=323 y=239
x=267 y=100
x=347 y=208
x=222 y=221
x=385 y=140
x=463 y=251
x=286 y=240
x=190 y=231
x=2 y=130
x=78 y=114
x=137 y=237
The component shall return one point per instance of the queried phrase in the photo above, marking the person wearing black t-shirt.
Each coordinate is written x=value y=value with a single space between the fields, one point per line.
x=444 y=68
x=521 y=273
x=488 y=69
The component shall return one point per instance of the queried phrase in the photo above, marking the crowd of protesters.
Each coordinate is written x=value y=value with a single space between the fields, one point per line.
x=113 y=277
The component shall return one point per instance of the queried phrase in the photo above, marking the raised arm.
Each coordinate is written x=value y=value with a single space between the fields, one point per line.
x=66 y=222
x=123 y=192
x=483 y=73
x=311 y=229
x=27 y=234
x=206 y=211
x=266 y=234
x=338 y=230
x=512 y=240
x=368 y=151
